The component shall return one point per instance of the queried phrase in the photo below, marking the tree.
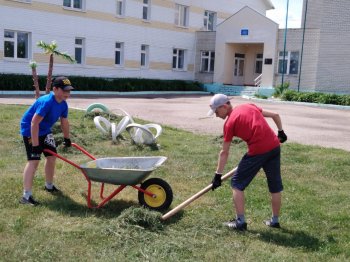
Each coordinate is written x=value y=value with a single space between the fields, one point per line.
x=50 y=49
x=33 y=65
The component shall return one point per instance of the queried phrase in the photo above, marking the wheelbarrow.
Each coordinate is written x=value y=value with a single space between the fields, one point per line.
x=153 y=193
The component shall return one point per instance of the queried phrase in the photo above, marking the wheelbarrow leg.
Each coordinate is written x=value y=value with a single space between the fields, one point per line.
x=101 y=191
x=143 y=191
x=120 y=188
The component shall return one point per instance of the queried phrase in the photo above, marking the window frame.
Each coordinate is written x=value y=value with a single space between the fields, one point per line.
x=179 y=55
x=286 y=69
x=120 y=50
x=146 y=6
x=78 y=46
x=120 y=8
x=210 y=64
x=182 y=15
x=260 y=61
x=144 y=56
x=71 y=5
x=206 y=20
x=15 y=40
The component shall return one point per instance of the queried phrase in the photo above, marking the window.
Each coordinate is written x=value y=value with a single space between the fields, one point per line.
x=120 y=6
x=258 y=63
x=79 y=50
x=288 y=63
x=146 y=10
x=73 y=4
x=16 y=44
x=207 y=61
x=119 y=54
x=209 y=21
x=179 y=59
x=144 y=55
x=181 y=15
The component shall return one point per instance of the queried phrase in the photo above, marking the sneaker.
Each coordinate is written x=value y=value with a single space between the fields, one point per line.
x=30 y=201
x=234 y=224
x=270 y=224
x=53 y=190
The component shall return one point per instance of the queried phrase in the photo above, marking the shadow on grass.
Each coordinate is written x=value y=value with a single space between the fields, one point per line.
x=290 y=238
x=173 y=219
x=113 y=208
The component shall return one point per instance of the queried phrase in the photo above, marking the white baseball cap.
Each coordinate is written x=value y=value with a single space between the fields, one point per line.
x=217 y=101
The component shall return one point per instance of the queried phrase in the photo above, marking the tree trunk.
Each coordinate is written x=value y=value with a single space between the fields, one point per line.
x=49 y=75
x=36 y=83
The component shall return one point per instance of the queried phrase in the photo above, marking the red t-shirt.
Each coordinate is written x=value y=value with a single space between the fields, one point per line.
x=247 y=122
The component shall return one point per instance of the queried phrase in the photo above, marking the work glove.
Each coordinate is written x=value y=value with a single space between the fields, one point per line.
x=282 y=136
x=36 y=151
x=216 y=181
x=67 y=142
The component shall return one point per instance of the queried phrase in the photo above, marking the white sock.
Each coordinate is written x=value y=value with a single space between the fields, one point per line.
x=27 y=194
x=48 y=185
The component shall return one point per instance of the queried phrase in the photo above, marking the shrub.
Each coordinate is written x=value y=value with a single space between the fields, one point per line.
x=322 y=98
x=289 y=95
x=280 y=89
x=25 y=82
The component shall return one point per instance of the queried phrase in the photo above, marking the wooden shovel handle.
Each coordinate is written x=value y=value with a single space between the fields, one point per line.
x=195 y=196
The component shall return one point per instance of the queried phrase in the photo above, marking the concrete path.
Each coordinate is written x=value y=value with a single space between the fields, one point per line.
x=305 y=124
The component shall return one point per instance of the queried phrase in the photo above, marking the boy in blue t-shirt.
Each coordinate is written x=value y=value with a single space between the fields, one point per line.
x=36 y=126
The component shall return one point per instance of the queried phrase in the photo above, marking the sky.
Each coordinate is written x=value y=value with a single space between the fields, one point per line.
x=279 y=13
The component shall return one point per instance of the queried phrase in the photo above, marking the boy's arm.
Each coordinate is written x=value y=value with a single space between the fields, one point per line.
x=275 y=117
x=65 y=127
x=34 y=129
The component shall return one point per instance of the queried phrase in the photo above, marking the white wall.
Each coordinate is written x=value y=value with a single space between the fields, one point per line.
x=261 y=30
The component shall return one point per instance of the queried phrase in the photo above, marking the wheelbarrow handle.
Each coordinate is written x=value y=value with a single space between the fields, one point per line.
x=61 y=157
x=84 y=151
x=67 y=160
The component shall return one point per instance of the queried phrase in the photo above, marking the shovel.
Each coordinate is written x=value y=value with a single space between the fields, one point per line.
x=195 y=196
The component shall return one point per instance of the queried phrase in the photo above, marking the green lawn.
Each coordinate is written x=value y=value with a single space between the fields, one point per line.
x=315 y=213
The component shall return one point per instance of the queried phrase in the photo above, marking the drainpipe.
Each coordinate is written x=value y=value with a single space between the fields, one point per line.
x=285 y=42
x=302 y=44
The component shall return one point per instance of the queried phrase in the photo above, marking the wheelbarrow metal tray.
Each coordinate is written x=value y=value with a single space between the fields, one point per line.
x=121 y=170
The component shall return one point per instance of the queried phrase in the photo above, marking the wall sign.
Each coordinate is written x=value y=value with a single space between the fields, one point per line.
x=268 y=61
x=244 y=32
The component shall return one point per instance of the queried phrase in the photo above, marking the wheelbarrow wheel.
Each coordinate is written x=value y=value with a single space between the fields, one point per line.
x=163 y=195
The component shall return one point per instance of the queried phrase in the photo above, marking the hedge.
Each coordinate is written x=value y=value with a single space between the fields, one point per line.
x=322 y=98
x=25 y=82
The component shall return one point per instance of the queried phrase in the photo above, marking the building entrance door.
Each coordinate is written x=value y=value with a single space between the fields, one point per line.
x=238 y=71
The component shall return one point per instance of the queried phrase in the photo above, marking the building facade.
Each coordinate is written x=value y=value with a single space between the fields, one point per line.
x=222 y=41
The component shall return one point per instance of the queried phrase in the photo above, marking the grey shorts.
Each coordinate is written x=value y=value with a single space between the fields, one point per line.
x=249 y=166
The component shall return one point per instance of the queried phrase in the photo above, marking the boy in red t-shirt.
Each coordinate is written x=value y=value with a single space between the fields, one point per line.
x=248 y=122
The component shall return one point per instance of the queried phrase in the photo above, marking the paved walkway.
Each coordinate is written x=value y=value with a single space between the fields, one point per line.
x=305 y=124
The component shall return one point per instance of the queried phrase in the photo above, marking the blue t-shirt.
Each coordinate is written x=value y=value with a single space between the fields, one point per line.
x=48 y=108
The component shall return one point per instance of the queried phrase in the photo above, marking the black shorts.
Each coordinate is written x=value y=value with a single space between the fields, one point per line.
x=249 y=166
x=46 y=142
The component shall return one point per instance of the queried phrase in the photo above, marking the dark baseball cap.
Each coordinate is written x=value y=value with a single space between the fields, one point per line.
x=63 y=83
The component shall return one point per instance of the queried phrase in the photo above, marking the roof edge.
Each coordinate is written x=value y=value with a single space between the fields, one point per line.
x=269 y=4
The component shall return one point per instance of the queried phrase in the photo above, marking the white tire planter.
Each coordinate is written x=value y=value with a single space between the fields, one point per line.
x=141 y=134
x=124 y=113
x=104 y=125
x=120 y=128
x=107 y=124
x=114 y=133
x=157 y=128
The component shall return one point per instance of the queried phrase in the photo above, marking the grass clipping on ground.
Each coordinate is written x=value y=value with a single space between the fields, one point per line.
x=142 y=218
